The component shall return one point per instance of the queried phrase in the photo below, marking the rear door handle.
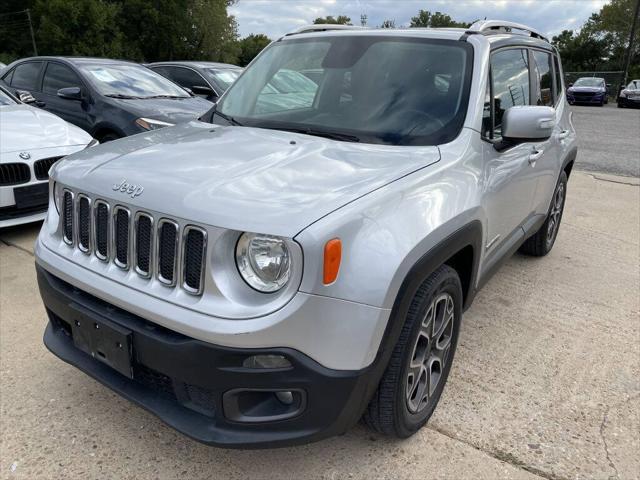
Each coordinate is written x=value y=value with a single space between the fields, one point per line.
x=563 y=134
x=535 y=155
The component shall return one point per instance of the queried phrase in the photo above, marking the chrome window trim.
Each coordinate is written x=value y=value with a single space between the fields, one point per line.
x=183 y=261
x=134 y=253
x=86 y=250
x=176 y=258
x=94 y=216
x=68 y=241
x=114 y=233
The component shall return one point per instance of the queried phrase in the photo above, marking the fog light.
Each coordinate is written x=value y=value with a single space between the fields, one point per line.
x=285 y=397
x=266 y=361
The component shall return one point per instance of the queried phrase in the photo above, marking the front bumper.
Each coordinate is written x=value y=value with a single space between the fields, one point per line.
x=32 y=206
x=199 y=388
x=595 y=99
x=629 y=102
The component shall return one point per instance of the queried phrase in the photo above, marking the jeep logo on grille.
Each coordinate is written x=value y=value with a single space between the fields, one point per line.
x=128 y=188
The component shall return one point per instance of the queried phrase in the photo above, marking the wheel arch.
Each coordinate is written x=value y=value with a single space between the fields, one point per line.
x=103 y=129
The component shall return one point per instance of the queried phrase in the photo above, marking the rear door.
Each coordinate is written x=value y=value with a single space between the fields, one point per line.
x=509 y=172
x=546 y=93
x=57 y=76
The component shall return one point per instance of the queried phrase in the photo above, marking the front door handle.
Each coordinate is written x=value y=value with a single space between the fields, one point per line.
x=535 y=155
x=563 y=134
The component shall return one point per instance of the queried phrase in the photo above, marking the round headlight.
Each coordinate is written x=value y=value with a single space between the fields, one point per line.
x=57 y=194
x=263 y=261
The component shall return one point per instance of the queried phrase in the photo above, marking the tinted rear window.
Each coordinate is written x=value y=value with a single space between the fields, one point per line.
x=26 y=75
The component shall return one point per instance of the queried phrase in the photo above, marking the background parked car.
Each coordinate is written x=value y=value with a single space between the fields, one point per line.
x=630 y=95
x=206 y=79
x=107 y=98
x=592 y=90
x=31 y=141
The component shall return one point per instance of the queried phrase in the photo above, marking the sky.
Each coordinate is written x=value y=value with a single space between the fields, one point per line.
x=277 y=17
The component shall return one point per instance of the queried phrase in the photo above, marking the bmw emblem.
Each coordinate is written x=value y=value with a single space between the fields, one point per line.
x=24 y=155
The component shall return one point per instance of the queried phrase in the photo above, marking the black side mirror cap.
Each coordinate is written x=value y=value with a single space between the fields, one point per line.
x=201 y=90
x=70 y=93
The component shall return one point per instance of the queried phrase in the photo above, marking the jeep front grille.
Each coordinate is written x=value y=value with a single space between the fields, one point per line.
x=134 y=241
x=41 y=167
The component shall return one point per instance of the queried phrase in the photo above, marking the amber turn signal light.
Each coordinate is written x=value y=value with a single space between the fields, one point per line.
x=332 y=257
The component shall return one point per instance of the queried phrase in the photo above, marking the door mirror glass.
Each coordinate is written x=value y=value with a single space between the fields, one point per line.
x=201 y=90
x=25 y=97
x=70 y=93
x=528 y=123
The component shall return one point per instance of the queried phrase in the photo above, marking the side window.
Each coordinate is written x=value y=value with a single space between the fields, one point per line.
x=543 y=87
x=186 y=78
x=559 y=87
x=26 y=76
x=510 y=75
x=58 y=76
x=7 y=78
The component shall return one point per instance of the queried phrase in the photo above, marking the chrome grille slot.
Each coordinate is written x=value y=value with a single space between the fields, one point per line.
x=167 y=251
x=143 y=244
x=132 y=239
x=193 y=257
x=121 y=237
x=101 y=230
x=67 y=217
x=84 y=223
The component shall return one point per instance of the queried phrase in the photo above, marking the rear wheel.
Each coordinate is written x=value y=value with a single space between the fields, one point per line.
x=542 y=241
x=421 y=360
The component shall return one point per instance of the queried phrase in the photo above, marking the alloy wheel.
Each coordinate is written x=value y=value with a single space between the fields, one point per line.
x=430 y=352
x=555 y=213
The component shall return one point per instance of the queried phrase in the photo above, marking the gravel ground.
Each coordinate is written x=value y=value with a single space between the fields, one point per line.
x=545 y=382
x=608 y=139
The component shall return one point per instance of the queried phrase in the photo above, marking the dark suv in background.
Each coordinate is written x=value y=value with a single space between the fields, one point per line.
x=206 y=79
x=107 y=98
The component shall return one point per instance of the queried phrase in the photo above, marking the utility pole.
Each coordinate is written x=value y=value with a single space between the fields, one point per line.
x=632 y=36
x=33 y=37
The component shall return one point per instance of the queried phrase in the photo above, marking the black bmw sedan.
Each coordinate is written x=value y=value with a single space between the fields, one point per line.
x=107 y=98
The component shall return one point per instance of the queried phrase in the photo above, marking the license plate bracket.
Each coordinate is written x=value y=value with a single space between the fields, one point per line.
x=105 y=341
x=32 y=195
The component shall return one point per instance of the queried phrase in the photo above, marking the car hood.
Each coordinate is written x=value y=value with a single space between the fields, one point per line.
x=241 y=178
x=173 y=110
x=586 y=89
x=28 y=128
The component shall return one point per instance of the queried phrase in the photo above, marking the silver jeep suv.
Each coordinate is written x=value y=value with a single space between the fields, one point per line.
x=300 y=257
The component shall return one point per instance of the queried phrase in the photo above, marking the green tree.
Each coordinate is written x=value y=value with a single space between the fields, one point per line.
x=250 y=46
x=436 y=20
x=340 y=20
x=389 y=23
x=88 y=27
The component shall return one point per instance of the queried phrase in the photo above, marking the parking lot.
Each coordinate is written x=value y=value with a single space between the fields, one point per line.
x=546 y=381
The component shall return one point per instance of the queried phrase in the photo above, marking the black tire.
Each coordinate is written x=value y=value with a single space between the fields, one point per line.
x=541 y=243
x=109 y=137
x=389 y=410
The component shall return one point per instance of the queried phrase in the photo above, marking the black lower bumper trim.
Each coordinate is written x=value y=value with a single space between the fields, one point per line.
x=183 y=380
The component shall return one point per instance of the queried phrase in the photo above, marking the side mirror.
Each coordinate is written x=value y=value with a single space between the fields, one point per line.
x=528 y=124
x=202 y=90
x=25 y=97
x=70 y=93
x=571 y=84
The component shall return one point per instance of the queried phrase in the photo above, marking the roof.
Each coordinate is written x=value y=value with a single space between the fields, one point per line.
x=195 y=63
x=81 y=60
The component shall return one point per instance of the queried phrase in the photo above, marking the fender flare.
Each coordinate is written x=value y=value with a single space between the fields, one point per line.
x=469 y=235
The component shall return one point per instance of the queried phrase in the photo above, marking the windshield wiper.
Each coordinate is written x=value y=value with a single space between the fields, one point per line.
x=165 y=96
x=120 y=95
x=342 y=137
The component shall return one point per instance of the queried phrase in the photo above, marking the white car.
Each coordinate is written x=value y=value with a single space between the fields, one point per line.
x=31 y=141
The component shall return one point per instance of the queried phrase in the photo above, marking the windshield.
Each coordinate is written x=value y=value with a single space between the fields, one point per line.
x=130 y=81
x=374 y=89
x=589 y=82
x=223 y=77
x=634 y=85
x=5 y=99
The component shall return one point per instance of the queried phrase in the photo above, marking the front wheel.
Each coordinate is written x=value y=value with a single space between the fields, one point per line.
x=421 y=360
x=541 y=242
